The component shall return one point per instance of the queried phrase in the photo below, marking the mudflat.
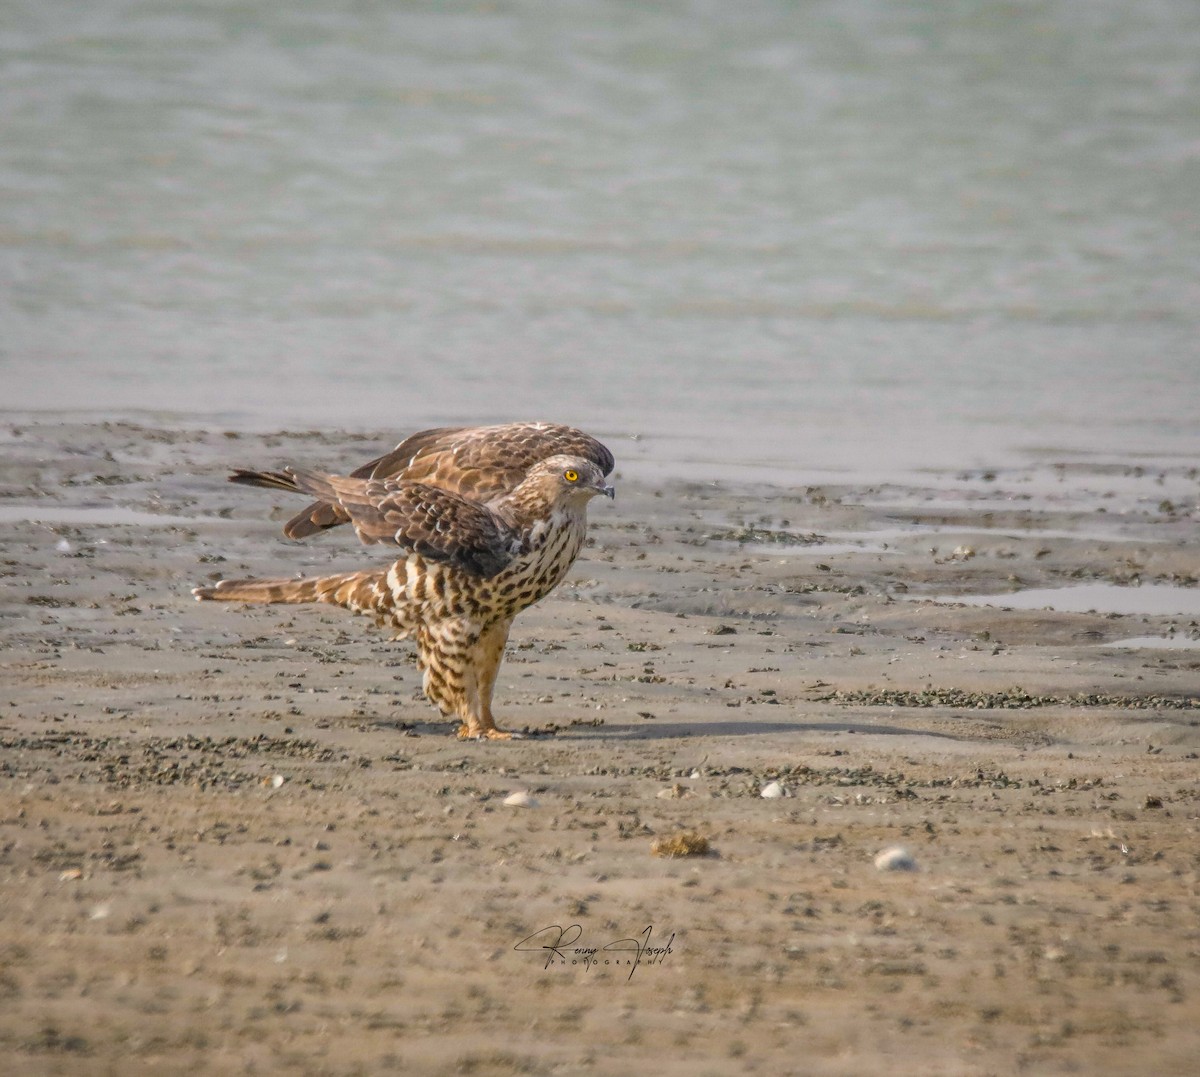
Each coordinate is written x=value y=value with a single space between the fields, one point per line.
x=792 y=799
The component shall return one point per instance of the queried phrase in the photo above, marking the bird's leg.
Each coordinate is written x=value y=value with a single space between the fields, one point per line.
x=459 y=659
x=480 y=681
x=440 y=656
x=491 y=653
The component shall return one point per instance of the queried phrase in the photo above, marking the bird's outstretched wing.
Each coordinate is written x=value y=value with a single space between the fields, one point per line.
x=478 y=463
x=438 y=524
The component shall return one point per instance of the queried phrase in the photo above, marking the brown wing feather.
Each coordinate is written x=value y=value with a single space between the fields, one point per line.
x=479 y=463
x=417 y=445
x=322 y=515
x=436 y=523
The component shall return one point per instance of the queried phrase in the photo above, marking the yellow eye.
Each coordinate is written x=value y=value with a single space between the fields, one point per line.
x=571 y=475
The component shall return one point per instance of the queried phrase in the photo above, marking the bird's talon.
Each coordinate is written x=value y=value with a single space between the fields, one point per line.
x=466 y=733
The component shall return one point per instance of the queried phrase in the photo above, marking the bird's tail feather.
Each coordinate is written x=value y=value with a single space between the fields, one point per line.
x=318 y=516
x=296 y=480
x=272 y=480
x=360 y=591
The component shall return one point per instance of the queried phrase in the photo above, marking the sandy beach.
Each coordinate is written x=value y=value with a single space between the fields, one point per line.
x=238 y=840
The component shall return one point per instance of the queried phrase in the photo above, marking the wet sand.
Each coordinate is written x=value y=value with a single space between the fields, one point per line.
x=237 y=840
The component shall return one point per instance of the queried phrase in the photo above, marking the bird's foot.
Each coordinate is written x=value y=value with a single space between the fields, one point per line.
x=465 y=732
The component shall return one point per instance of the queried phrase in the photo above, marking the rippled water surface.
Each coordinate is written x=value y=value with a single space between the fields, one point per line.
x=858 y=235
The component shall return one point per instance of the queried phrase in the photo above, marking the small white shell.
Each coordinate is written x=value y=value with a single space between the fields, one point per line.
x=897 y=858
x=520 y=799
x=773 y=791
x=277 y=781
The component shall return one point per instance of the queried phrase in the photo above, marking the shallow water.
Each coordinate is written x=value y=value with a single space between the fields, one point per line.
x=865 y=237
x=1154 y=599
x=1157 y=643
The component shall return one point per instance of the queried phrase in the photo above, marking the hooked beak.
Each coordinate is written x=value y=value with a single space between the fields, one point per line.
x=609 y=491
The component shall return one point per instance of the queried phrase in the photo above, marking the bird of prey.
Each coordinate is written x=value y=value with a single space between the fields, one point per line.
x=488 y=519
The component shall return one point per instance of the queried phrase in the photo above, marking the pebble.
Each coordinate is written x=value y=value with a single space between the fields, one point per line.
x=773 y=791
x=897 y=858
x=520 y=799
x=277 y=781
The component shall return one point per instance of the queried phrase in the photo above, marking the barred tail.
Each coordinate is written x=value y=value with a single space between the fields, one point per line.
x=359 y=591
x=272 y=480
x=317 y=517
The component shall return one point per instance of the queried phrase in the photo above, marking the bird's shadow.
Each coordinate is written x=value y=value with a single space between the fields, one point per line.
x=673 y=730
x=653 y=730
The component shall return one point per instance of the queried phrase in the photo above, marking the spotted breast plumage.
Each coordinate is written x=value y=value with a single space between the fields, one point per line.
x=490 y=519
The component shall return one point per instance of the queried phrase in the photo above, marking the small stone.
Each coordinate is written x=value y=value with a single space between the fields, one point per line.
x=277 y=781
x=520 y=799
x=773 y=791
x=896 y=858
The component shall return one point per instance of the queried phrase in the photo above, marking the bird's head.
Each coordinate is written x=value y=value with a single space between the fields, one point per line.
x=573 y=479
